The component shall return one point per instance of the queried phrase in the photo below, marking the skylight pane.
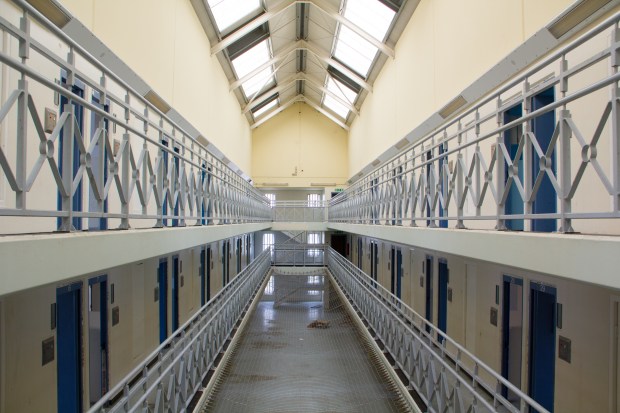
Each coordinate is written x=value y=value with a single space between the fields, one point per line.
x=336 y=107
x=228 y=12
x=343 y=92
x=265 y=108
x=250 y=61
x=371 y=15
x=354 y=51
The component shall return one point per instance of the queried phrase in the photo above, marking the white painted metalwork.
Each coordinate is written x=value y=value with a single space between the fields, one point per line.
x=156 y=170
x=465 y=173
x=299 y=211
x=297 y=254
x=168 y=378
x=447 y=377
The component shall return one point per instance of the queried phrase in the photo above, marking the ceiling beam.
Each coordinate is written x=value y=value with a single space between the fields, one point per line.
x=385 y=49
x=323 y=89
x=282 y=86
x=294 y=99
x=303 y=45
x=326 y=113
x=253 y=24
x=284 y=5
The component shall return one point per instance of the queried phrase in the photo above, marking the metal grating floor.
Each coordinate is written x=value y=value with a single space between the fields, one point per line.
x=285 y=363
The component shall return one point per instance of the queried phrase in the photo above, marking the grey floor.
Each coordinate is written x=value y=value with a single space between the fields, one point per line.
x=283 y=365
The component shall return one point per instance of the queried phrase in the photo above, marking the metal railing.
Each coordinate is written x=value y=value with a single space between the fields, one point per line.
x=299 y=211
x=133 y=163
x=293 y=255
x=445 y=375
x=170 y=376
x=528 y=156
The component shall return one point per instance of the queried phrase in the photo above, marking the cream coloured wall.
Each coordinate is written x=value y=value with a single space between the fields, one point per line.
x=444 y=48
x=164 y=43
x=302 y=138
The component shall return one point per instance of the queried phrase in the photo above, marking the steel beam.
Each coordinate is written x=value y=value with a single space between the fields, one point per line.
x=326 y=113
x=297 y=98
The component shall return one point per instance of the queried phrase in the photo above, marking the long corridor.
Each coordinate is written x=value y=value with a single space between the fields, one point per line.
x=301 y=351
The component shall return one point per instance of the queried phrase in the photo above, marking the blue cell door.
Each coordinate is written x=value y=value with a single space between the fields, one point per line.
x=98 y=337
x=512 y=334
x=428 y=271
x=514 y=201
x=443 y=277
x=359 y=253
x=374 y=262
x=542 y=344
x=226 y=263
x=69 y=347
x=239 y=251
x=162 y=281
x=393 y=270
x=77 y=89
x=175 y=293
x=399 y=273
x=202 y=272
x=99 y=163
x=543 y=126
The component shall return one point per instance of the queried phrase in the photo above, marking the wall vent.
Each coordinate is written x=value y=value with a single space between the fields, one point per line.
x=50 y=9
x=157 y=101
x=401 y=144
x=376 y=162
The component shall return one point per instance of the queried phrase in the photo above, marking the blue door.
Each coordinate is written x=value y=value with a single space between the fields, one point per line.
x=393 y=270
x=69 y=347
x=542 y=344
x=175 y=293
x=546 y=197
x=162 y=280
x=99 y=164
x=359 y=253
x=514 y=202
x=226 y=263
x=512 y=334
x=443 y=277
x=202 y=273
x=374 y=262
x=76 y=205
x=399 y=273
x=239 y=251
x=428 y=270
x=208 y=272
x=98 y=337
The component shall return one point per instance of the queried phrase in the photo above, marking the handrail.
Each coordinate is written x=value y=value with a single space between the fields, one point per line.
x=299 y=211
x=198 y=341
x=172 y=175
x=482 y=165
x=371 y=298
x=298 y=254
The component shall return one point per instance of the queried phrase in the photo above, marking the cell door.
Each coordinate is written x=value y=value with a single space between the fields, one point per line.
x=428 y=272
x=359 y=253
x=225 y=263
x=175 y=293
x=202 y=270
x=98 y=132
x=514 y=201
x=374 y=265
x=208 y=274
x=393 y=270
x=69 y=347
x=239 y=250
x=512 y=334
x=247 y=250
x=443 y=278
x=546 y=197
x=97 y=337
x=162 y=282
x=542 y=344
x=399 y=273
x=76 y=205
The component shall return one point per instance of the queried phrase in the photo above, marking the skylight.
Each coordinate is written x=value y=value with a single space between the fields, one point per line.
x=265 y=108
x=228 y=12
x=351 y=48
x=343 y=92
x=372 y=15
x=250 y=61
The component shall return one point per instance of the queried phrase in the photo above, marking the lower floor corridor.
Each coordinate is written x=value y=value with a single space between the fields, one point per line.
x=301 y=351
